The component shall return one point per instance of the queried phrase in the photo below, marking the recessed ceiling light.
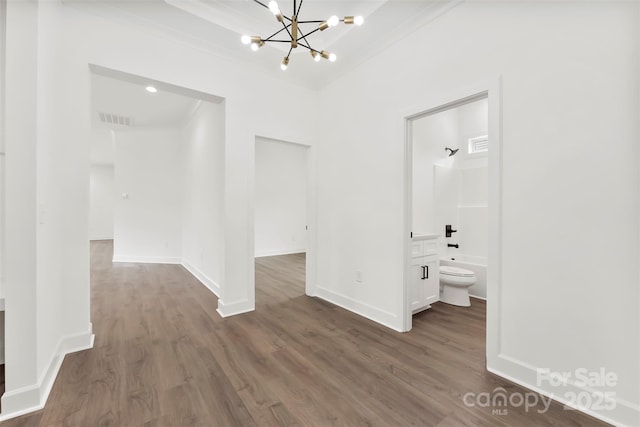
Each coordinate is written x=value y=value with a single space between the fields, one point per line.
x=151 y=89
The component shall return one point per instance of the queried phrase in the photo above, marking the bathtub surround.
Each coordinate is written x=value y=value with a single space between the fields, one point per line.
x=460 y=197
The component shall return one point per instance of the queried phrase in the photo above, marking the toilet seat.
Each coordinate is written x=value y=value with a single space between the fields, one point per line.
x=455 y=271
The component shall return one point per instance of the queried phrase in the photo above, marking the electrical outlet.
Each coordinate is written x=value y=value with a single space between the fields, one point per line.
x=359 y=276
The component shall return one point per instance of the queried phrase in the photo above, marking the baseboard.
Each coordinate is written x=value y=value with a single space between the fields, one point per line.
x=365 y=310
x=231 y=309
x=203 y=278
x=278 y=253
x=624 y=413
x=147 y=259
x=477 y=297
x=33 y=398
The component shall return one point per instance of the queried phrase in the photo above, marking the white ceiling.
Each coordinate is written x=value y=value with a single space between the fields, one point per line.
x=249 y=17
x=218 y=25
x=125 y=99
x=118 y=97
x=124 y=95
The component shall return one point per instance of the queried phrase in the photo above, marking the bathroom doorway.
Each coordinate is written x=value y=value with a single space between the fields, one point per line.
x=448 y=195
x=281 y=225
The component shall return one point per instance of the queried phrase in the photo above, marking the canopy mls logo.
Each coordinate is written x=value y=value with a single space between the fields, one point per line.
x=597 y=397
x=499 y=400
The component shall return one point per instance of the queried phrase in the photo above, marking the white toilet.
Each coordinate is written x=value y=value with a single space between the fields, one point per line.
x=454 y=285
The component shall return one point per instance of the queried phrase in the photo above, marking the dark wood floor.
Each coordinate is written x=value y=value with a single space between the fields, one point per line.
x=163 y=357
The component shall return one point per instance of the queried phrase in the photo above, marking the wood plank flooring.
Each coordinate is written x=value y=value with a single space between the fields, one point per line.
x=163 y=357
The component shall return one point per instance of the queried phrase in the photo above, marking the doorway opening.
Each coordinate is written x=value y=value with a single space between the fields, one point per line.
x=280 y=218
x=452 y=185
x=157 y=173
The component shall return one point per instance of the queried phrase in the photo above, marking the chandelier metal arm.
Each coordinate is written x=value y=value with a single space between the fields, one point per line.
x=303 y=36
x=261 y=4
x=268 y=39
x=317 y=29
x=307 y=46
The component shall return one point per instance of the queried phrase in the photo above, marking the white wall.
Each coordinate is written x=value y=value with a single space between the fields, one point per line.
x=20 y=288
x=280 y=198
x=101 y=143
x=47 y=296
x=3 y=16
x=101 y=199
x=3 y=10
x=203 y=195
x=148 y=220
x=563 y=190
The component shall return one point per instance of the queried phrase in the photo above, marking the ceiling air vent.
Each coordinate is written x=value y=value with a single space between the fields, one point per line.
x=116 y=120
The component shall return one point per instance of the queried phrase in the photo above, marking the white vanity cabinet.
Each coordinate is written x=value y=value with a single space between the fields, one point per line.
x=425 y=282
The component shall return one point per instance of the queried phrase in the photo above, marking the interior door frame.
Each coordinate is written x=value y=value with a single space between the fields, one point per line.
x=310 y=258
x=492 y=90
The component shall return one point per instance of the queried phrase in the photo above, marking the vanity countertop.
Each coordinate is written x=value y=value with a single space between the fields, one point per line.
x=424 y=236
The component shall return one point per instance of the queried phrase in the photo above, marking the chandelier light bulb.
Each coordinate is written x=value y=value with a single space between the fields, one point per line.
x=332 y=57
x=333 y=21
x=285 y=63
x=273 y=7
x=358 y=20
x=245 y=39
x=254 y=47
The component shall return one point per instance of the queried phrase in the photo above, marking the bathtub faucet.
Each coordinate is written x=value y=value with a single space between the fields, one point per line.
x=451 y=245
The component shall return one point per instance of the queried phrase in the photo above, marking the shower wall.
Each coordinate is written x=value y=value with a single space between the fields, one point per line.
x=472 y=211
x=429 y=136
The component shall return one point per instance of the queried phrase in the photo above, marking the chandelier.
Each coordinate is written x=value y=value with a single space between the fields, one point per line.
x=296 y=36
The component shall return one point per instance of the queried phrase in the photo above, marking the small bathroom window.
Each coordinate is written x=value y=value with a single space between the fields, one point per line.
x=479 y=144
